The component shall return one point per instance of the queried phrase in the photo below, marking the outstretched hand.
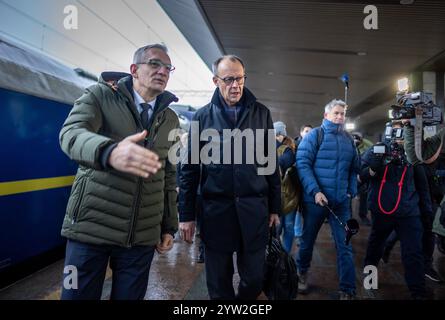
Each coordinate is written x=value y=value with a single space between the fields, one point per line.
x=130 y=157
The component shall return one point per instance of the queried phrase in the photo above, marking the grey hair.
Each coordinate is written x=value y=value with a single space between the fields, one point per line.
x=230 y=57
x=334 y=103
x=139 y=54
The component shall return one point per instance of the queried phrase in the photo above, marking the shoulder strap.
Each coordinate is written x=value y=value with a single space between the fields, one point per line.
x=354 y=148
x=350 y=137
x=320 y=136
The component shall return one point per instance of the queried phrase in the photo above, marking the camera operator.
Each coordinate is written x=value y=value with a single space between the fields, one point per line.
x=431 y=148
x=396 y=196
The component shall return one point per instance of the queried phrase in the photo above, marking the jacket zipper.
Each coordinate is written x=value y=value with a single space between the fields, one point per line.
x=336 y=167
x=136 y=205
x=137 y=200
x=77 y=207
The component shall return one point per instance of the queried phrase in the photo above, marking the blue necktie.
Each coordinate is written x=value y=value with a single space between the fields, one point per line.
x=146 y=113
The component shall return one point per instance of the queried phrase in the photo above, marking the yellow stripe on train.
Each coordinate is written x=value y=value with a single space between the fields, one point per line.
x=14 y=187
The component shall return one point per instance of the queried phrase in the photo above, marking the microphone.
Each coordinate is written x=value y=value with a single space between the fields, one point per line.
x=351 y=228
x=345 y=79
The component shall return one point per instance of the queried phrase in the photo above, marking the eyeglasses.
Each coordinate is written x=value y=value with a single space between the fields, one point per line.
x=158 y=64
x=229 y=80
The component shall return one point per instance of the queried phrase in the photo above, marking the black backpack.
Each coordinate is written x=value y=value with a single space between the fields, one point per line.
x=280 y=277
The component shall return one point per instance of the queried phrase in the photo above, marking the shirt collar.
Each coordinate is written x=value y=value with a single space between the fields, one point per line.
x=138 y=100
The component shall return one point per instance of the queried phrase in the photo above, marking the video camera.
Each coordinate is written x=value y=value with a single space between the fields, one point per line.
x=407 y=103
x=392 y=150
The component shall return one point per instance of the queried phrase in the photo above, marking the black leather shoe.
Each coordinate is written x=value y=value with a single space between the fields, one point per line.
x=433 y=275
x=201 y=255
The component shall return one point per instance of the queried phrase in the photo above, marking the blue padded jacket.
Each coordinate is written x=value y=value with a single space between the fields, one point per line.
x=330 y=167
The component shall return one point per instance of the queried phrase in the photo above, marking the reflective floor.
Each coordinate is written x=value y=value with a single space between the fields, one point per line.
x=177 y=275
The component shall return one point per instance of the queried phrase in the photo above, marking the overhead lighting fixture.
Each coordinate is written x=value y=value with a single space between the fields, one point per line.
x=390 y=115
x=403 y=84
x=270 y=73
x=362 y=53
x=406 y=1
x=350 y=126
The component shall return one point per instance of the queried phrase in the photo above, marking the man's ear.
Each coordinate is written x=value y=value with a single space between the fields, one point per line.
x=215 y=81
x=133 y=68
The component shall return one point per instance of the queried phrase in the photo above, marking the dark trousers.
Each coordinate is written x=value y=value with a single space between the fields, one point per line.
x=363 y=203
x=409 y=230
x=391 y=241
x=130 y=268
x=427 y=240
x=219 y=273
x=314 y=216
x=363 y=200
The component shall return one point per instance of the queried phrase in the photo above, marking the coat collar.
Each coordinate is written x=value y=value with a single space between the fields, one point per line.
x=125 y=86
x=329 y=126
x=246 y=100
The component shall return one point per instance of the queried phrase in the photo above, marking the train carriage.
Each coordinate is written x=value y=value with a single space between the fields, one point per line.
x=36 y=95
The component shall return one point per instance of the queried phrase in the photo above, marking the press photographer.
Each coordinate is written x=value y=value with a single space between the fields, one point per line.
x=417 y=110
x=431 y=148
x=396 y=196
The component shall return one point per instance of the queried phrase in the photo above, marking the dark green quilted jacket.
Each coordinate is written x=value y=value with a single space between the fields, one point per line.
x=108 y=207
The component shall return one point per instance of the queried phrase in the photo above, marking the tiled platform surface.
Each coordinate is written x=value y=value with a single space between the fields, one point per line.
x=176 y=275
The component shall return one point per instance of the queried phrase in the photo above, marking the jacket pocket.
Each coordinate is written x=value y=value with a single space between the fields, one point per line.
x=76 y=198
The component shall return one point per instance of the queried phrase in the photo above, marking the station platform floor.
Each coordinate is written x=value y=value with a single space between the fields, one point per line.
x=176 y=275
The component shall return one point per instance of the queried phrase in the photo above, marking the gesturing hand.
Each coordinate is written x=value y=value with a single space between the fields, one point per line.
x=130 y=157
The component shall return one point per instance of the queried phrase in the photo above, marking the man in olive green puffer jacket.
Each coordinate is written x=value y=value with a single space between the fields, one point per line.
x=123 y=201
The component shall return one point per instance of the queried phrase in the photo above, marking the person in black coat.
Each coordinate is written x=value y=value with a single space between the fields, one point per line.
x=397 y=194
x=239 y=201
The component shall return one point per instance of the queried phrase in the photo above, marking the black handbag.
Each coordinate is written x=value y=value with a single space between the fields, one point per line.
x=280 y=276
